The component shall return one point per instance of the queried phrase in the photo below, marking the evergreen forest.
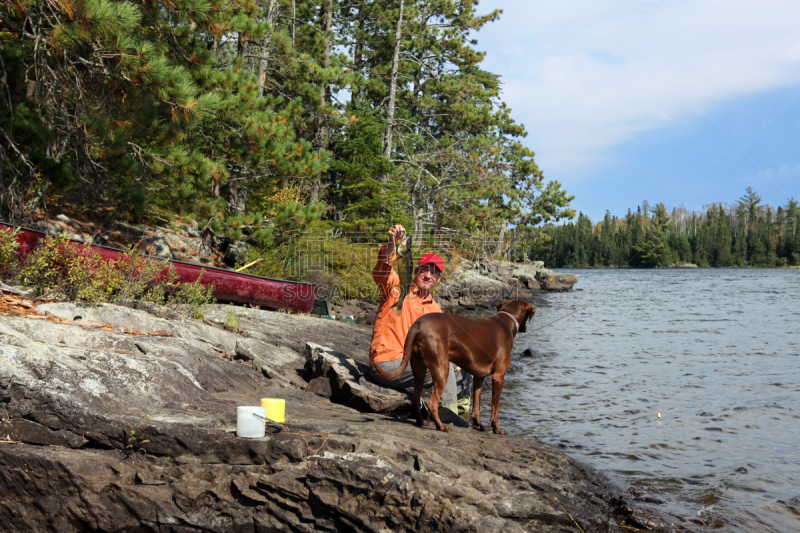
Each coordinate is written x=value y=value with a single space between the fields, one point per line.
x=746 y=233
x=260 y=118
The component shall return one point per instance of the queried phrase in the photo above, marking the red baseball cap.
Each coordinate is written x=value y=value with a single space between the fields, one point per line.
x=431 y=258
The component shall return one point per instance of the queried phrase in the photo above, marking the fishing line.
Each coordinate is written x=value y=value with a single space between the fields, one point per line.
x=585 y=306
x=635 y=256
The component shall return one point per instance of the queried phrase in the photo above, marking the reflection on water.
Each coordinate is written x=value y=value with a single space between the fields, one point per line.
x=716 y=351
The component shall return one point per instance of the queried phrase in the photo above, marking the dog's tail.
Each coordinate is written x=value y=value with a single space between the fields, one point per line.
x=409 y=344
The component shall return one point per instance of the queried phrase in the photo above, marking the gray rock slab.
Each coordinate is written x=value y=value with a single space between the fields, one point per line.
x=351 y=386
x=120 y=317
x=293 y=331
x=107 y=431
x=276 y=362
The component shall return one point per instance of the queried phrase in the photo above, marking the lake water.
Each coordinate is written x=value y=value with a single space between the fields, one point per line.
x=716 y=351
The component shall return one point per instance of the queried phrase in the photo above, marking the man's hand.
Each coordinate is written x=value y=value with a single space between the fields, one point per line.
x=396 y=233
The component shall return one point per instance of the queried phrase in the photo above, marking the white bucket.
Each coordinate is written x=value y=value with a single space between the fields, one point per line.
x=248 y=424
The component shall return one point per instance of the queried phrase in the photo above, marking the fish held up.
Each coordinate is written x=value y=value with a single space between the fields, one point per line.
x=403 y=264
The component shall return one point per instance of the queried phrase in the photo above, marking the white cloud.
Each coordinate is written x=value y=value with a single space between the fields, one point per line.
x=664 y=61
x=782 y=174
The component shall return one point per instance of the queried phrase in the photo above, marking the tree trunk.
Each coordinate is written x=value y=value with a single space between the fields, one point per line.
x=321 y=139
x=512 y=251
x=358 y=57
x=237 y=188
x=419 y=225
x=263 y=62
x=237 y=196
x=418 y=71
x=393 y=84
x=498 y=249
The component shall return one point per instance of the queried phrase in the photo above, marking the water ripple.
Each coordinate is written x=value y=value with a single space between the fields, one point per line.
x=715 y=351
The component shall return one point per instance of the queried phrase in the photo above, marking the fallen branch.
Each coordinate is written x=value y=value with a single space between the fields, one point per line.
x=248 y=265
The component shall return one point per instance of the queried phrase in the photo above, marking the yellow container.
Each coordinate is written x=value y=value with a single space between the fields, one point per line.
x=276 y=409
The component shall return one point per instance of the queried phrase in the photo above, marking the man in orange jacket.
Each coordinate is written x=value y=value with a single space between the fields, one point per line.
x=391 y=328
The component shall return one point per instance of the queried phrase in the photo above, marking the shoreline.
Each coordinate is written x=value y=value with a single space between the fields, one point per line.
x=74 y=389
x=682 y=268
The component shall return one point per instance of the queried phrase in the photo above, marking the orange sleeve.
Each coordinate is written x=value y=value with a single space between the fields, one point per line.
x=383 y=273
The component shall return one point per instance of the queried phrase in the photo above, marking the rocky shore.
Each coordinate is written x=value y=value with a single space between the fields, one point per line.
x=116 y=419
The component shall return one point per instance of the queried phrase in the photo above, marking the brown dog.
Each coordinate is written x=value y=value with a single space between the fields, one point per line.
x=482 y=347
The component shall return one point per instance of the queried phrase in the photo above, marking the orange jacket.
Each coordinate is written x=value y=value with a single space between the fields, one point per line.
x=389 y=332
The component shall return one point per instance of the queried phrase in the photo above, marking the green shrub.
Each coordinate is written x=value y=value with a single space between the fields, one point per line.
x=44 y=268
x=232 y=319
x=8 y=250
x=76 y=272
x=191 y=299
x=143 y=278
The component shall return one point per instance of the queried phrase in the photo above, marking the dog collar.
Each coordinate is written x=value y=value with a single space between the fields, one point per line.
x=512 y=318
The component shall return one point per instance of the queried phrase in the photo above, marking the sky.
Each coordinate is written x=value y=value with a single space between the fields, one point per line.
x=686 y=102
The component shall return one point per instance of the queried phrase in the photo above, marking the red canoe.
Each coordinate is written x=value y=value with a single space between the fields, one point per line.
x=229 y=286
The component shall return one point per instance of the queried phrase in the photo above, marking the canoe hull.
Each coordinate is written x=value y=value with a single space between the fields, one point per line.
x=229 y=286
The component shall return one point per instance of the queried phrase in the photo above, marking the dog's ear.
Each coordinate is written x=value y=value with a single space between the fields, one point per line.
x=523 y=325
x=504 y=302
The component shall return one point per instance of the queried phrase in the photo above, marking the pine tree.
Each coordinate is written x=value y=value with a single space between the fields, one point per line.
x=792 y=246
x=654 y=251
x=636 y=237
x=107 y=93
x=722 y=238
x=606 y=252
x=358 y=165
x=455 y=149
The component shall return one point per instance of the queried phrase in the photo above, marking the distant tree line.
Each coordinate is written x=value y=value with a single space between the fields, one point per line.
x=747 y=233
x=262 y=116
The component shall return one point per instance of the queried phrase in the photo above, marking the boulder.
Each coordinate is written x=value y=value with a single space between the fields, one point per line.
x=535 y=276
x=48 y=227
x=155 y=246
x=466 y=302
x=472 y=285
x=527 y=274
x=558 y=282
x=349 y=383
x=347 y=308
x=321 y=386
x=98 y=238
x=193 y=232
x=237 y=253
x=204 y=250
